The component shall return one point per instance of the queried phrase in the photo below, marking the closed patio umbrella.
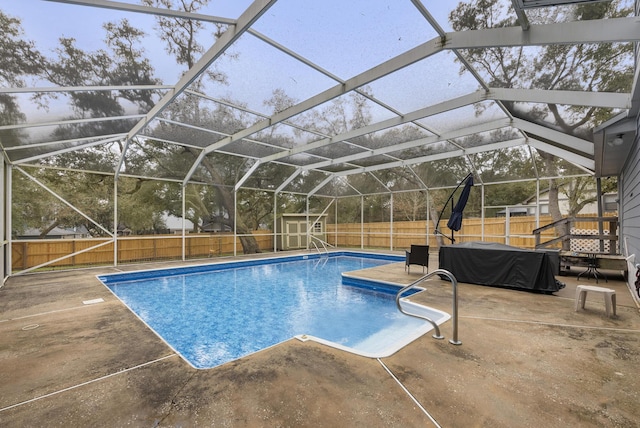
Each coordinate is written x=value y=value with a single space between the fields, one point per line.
x=455 y=221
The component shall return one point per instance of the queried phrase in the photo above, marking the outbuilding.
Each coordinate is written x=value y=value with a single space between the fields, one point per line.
x=292 y=230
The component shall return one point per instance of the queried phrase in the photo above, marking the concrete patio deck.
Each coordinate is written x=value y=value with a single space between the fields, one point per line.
x=526 y=360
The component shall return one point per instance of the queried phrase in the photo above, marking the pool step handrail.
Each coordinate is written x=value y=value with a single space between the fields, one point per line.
x=323 y=243
x=326 y=252
x=454 y=340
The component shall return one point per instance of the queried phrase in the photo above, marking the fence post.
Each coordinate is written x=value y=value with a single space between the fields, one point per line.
x=566 y=243
x=25 y=249
x=613 y=232
x=507 y=225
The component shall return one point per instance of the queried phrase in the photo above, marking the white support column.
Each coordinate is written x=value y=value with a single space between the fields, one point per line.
x=235 y=222
x=275 y=222
x=391 y=223
x=482 y=216
x=307 y=220
x=600 y=226
x=362 y=222
x=537 y=202
x=507 y=224
x=335 y=225
x=8 y=219
x=4 y=250
x=184 y=222
x=428 y=217
x=115 y=222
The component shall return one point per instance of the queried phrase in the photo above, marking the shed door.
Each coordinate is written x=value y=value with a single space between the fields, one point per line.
x=296 y=234
x=293 y=240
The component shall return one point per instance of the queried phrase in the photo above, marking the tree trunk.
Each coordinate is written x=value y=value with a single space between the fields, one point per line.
x=554 y=204
x=433 y=213
x=249 y=245
x=551 y=169
x=248 y=242
x=44 y=232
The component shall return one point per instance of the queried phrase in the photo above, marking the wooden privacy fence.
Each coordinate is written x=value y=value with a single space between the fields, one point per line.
x=516 y=231
x=30 y=253
x=405 y=233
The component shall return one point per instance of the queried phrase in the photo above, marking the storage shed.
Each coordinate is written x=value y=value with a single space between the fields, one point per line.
x=291 y=230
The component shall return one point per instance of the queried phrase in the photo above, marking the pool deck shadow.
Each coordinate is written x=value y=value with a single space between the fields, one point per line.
x=526 y=360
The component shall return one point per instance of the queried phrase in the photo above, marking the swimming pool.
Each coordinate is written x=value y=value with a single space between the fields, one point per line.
x=215 y=313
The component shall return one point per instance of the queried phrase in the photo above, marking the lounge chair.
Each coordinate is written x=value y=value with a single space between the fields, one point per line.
x=419 y=255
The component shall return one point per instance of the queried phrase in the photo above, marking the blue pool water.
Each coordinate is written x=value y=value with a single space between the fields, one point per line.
x=211 y=317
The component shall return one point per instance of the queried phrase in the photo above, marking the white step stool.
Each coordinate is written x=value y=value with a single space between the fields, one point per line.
x=609 y=297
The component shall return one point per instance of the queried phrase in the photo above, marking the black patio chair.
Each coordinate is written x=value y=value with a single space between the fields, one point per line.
x=418 y=255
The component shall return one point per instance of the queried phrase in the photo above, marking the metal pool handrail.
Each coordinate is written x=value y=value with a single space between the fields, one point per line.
x=324 y=243
x=454 y=282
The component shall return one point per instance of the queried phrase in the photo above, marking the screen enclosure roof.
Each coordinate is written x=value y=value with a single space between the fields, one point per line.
x=330 y=98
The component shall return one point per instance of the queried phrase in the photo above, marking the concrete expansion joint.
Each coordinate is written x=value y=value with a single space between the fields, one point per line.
x=413 y=398
x=51 y=394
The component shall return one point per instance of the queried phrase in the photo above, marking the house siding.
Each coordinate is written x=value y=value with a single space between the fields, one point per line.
x=630 y=198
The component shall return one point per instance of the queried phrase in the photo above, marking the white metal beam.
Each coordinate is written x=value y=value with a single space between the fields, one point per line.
x=572 y=157
x=580 y=98
x=566 y=140
x=36 y=90
x=289 y=179
x=417 y=177
x=66 y=150
x=128 y=7
x=5 y=233
x=246 y=176
x=172 y=142
x=56 y=142
x=522 y=16
x=613 y=30
x=353 y=187
x=320 y=186
x=193 y=168
x=69 y=122
x=532 y=4
x=635 y=93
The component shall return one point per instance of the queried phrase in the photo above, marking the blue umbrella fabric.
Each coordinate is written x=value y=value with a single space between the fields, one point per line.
x=455 y=221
